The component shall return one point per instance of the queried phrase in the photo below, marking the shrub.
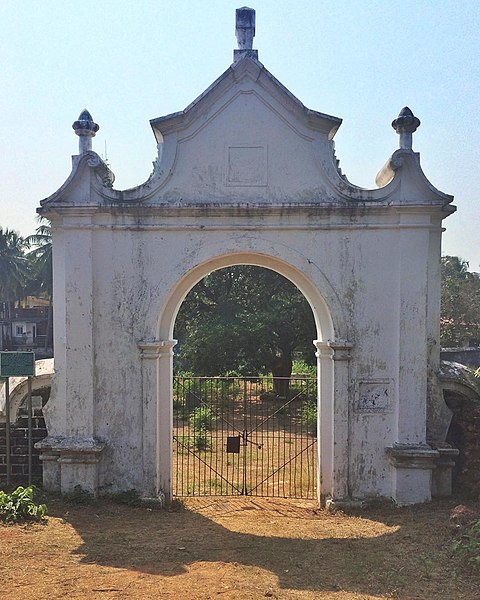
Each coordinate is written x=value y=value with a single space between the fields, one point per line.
x=129 y=497
x=21 y=506
x=300 y=367
x=467 y=547
x=201 y=441
x=202 y=419
x=309 y=417
x=79 y=496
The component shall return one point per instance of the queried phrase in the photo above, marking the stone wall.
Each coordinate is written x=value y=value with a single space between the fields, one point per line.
x=19 y=443
x=464 y=356
x=464 y=434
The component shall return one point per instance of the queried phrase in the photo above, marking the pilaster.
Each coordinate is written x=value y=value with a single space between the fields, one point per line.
x=156 y=358
x=79 y=338
x=333 y=384
x=412 y=341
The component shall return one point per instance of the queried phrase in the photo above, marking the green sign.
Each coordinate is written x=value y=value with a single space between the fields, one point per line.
x=17 y=364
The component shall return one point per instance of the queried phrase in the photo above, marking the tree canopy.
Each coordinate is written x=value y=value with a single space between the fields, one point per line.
x=244 y=319
x=40 y=259
x=251 y=320
x=460 y=313
x=25 y=263
x=25 y=269
x=14 y=270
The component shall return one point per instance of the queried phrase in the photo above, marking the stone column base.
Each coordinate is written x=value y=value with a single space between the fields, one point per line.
x=442 y=475
x=70 y=462
x=412 y=481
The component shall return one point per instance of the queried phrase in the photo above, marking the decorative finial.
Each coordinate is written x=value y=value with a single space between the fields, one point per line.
x=405 y=124
x=244 y=32
x=245 y=27
x=86 y=129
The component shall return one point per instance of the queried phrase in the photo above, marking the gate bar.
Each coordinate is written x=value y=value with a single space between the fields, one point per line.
x=29 y=409
x=7 y=426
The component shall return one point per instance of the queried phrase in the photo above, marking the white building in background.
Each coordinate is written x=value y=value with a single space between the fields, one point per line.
x=246 y=174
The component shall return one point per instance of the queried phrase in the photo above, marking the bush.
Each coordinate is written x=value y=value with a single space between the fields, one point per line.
x=201 y=441
x=21 y=506
x=300 y=367
x=129 y=497
x=467 y=547
x=202 y=419
x=78 y=496
x=309 y=417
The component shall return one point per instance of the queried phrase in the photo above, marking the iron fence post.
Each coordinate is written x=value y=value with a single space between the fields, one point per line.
x=29 y=410
x=7 y=428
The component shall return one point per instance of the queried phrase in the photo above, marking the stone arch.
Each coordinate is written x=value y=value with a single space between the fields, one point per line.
x=245 y=174
x=332 y=362
x=19 y=387
x=321 y=312
x=18 y=392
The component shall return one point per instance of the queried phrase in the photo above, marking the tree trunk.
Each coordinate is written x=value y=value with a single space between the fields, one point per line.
x=281 y=371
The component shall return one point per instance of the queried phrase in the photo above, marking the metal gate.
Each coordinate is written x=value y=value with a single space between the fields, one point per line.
x=239 y=436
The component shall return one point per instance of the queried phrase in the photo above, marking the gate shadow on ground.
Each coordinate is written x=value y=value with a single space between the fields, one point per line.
x=392 y=552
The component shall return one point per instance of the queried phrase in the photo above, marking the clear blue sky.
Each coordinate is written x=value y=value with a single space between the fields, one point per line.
x=128 y=62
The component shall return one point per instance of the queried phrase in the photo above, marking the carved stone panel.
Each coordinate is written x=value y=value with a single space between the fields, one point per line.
x=246 y=166
x=374 y=395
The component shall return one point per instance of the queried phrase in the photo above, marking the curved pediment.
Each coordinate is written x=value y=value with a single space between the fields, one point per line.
x=248 y=141
x=245 y=139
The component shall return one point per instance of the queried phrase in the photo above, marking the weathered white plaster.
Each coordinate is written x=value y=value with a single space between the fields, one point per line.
x=246 y=175
x=18 y=387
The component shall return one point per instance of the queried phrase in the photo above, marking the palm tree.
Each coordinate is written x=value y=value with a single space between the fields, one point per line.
x=41 y=266
x=13 y=270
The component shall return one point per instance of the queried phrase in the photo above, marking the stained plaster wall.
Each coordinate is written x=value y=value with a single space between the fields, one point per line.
x=245 y=174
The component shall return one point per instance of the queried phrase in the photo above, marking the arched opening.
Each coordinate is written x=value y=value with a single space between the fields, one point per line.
x=245 y=387
x=325 y=384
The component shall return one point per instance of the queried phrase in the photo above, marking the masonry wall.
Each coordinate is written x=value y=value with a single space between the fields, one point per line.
x=19 y=444
x=373 y=284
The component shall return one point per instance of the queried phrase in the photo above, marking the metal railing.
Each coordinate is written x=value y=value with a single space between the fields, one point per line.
x=240 y=436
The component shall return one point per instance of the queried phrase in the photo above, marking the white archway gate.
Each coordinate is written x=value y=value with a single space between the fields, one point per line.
x=245 y=175
x=331 y=480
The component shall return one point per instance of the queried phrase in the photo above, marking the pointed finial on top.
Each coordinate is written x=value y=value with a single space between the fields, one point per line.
x=86 y=129
x=244 y=32
x=245 y=27
x=405 y=124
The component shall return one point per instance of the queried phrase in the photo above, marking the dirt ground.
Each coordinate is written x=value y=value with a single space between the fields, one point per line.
x=234 y=548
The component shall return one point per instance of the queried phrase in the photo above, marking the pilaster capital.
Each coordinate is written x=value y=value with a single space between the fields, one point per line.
x=70 y=449
x=155 y=349
x=412 y=456
x=335 y=349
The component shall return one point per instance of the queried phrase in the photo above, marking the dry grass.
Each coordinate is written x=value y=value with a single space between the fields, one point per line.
x=233 y=549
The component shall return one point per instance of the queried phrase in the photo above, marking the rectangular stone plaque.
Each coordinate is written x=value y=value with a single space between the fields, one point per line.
x=374 y=395
x=246 y=166
x=17 y=364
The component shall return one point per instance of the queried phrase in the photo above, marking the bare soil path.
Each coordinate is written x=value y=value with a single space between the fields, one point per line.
x=234 y=549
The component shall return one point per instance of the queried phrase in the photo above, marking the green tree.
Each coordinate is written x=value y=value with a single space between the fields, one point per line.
x=244 y=319
x=460 y=312
x=41 y=271
x=13 y=272
x=13 y=265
